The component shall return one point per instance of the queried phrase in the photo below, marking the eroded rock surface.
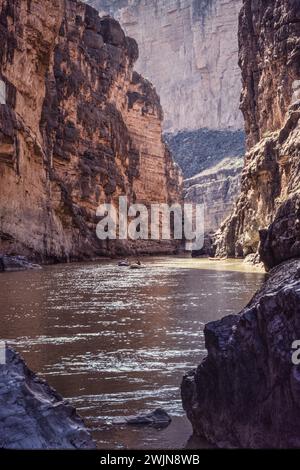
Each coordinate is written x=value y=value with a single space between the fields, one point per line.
x=281 y=241
x=269 y=35
x=189 y=50
x=246 y=392
x=217 y=189
x=33 y=415
x=78 y=128
x=16 y=263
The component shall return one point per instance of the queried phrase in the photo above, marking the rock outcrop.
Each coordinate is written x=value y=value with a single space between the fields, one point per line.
x=16 y=263
x=269 y=35
x=246 y=392
x=78 y=128
x=33 y=415
x=217 y=189
x=189 y=50
x=202 y=149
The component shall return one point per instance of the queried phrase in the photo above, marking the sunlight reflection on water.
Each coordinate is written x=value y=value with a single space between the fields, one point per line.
x=117 y=342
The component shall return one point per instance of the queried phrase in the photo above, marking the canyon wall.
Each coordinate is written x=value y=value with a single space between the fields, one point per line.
x=189 y=50
x=269 y=35
x=246 y=392
x=217 y=188
x=78 y=128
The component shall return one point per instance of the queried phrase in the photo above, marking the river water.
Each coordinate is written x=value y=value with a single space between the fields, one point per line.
x=116 y=342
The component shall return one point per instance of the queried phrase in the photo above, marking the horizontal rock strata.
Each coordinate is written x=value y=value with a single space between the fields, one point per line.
x=78 y=128
x=217 y=189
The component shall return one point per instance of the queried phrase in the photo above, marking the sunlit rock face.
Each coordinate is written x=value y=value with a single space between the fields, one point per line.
x=78 y=127
x=269 y=57
x=189 y=50
x=32 y=414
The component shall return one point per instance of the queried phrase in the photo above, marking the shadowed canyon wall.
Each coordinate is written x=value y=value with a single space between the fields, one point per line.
x=78 y=128
x=269 y=34
x=246 y=392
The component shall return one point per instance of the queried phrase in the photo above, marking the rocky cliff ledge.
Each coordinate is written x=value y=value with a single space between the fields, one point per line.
x=189 y=50
x=217 y=188
x=33 y=415
x=246 y=393
x=269 y=56
x=78 y=127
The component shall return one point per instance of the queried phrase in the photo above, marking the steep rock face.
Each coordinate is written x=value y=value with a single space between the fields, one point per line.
x=217 y=188
x=281 y=241
x=79 y=128
x=33 y=415
x=189 y=50
x=269 y=56
x=246 y=393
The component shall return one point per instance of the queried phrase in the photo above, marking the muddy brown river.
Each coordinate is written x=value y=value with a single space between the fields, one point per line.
x=116 y=342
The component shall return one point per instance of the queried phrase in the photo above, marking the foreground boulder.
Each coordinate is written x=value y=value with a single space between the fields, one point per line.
x=33 y=415
x=246 y=392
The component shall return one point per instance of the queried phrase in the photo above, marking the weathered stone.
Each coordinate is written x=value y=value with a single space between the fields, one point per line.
x=270 y=177
x=71 y=135
x=202 y=149
x=158 y=418
x=33 y=415
x=16 y=263
x=93 y=39
x=246 y=393
x=189 y=50
x=269 y=57
x=281 y=241
x=112 y=32
x=217 y=189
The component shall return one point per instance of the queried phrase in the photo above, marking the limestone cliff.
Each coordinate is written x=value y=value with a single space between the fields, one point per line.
x=32 y=414
x=269 y=35
x=78 y=128
x=217 y=188
x=189 y=50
